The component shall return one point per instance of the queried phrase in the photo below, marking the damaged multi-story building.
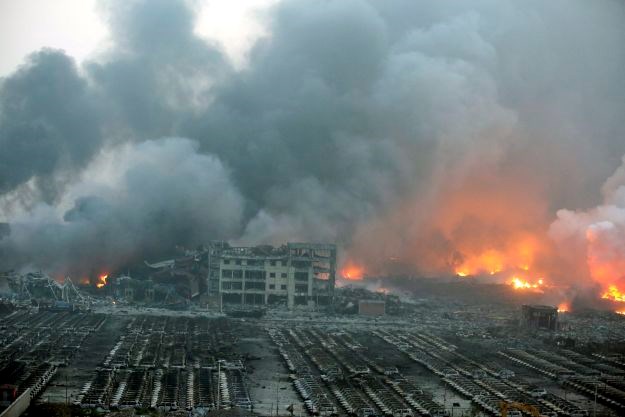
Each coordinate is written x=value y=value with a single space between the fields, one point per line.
x=295 y=274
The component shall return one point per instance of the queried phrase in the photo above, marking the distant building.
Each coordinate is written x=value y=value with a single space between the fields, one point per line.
x=371 y=307
x=539 y=317
x=295 y=274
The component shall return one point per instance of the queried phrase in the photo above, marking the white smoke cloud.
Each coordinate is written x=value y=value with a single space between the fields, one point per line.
x=594 y=239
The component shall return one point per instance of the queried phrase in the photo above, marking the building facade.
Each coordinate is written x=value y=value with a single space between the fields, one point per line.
x=295 y=274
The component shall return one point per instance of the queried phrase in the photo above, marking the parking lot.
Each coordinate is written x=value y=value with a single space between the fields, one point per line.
x=285 y=364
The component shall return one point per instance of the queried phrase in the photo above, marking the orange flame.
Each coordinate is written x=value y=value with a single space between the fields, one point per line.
x=352 y=272
x=563 y=307
x=523 y=284
x=614 y=294
x=491 y=261
x=605 y=264
x=515 y=260
x=101 y=281
x=621 y=312
x=518 y=255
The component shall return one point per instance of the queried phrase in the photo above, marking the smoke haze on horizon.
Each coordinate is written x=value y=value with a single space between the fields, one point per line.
x=443 y=135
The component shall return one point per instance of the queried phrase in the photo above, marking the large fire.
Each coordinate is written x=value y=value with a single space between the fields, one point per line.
x=519 y=254
x=605 y=263
x=492 y=229
x=494 y=220
x=515 y=263
x=102 y=280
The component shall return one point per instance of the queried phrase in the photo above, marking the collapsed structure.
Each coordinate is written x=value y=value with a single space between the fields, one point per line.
x=295 y=274
x=38 y=288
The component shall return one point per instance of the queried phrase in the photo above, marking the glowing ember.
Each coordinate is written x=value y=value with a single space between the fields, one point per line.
x=101 y=281
x=352 y=272
x=462 y=273
x=621 y=312
x=563 y=307
x=614 y=294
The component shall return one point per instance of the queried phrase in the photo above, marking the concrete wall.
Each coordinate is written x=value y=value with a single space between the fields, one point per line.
x=18 y=406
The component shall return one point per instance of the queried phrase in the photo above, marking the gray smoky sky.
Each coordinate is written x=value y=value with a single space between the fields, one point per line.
x=353 y=122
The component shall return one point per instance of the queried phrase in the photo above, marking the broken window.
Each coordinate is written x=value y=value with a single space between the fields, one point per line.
x=254 y=274
x=301 y=276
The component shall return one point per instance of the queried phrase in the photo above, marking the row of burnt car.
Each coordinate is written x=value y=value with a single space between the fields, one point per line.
x=335 y=375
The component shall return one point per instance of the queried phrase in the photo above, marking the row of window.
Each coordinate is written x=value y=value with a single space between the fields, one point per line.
x=273 y=275
x=301 y=276
x=261 y=262
x=238 y=285
x=254 y=285
x=253 y=262
x=260 y=275
x=249 y=274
